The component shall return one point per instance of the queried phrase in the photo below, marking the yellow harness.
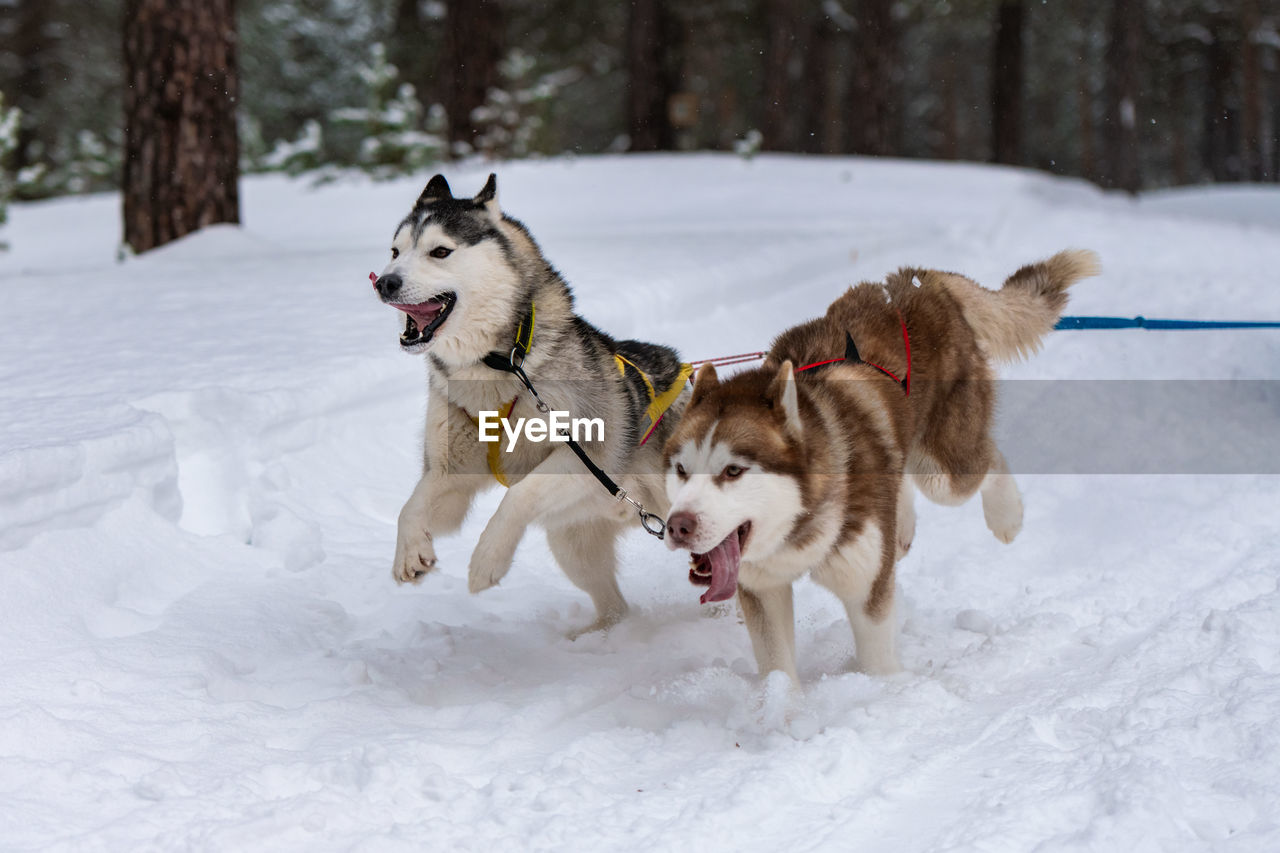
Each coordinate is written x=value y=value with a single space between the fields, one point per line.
x=658 y=403
x=653 y=414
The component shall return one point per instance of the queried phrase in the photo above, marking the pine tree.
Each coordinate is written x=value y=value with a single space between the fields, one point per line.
x=181 y=167
x=10 y=122
x=394 y=142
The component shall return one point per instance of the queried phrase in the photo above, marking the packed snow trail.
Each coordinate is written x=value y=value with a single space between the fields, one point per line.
x=204 y=451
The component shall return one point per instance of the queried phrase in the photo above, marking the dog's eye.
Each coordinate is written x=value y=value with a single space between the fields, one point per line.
x=395 y=253
x=441 y=252
x=733 y=472
x=680 y=472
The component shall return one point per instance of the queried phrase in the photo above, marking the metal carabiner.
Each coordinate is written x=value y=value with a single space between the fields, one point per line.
x=648 y=518
x=653 y=524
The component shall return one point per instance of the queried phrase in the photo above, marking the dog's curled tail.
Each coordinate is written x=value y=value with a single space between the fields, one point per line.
x=1010 y=323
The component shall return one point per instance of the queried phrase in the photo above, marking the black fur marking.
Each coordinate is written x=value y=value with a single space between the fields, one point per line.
x=851 y=349
x=437 y=189
x=463 y=221
x=662 y=363
x=508 y=251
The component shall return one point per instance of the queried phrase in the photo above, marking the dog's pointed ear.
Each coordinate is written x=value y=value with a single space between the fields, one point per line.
x=437 y=189
x=488 y=198
x=704 y=381
x=782 y=390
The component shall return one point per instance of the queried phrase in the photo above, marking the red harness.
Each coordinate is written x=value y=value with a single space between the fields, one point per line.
x=851 y=355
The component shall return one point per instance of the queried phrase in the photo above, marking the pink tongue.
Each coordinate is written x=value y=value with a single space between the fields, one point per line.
x=424 y=312
x=724 y=559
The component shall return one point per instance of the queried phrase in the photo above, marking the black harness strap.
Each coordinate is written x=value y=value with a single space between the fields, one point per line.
x=513 y=364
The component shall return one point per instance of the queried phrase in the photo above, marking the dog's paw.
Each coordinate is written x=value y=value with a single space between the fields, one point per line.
x=490 y=563
x=1005 y=522
x=905 y=527
x=906 y=534
x=603 y=623
x=415 y=557
x=879 y=665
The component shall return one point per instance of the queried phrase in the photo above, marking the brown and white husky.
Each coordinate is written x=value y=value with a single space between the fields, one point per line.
x=808 y=463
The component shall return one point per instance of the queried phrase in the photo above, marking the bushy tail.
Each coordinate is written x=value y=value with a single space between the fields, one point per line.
x=1010 y=323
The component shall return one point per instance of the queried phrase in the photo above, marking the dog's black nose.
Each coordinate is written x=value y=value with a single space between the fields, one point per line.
x=388 y=285
x=681 y=526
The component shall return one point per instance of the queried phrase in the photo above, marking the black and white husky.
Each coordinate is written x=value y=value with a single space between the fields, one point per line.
x=473 y=284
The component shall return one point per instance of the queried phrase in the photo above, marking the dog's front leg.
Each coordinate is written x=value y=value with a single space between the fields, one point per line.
x=453 y=471
x=771 y=623
x=438 y=504
x=555 y=485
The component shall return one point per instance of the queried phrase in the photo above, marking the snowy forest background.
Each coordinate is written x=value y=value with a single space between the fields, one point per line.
x=1129 y=93
x=204 y=449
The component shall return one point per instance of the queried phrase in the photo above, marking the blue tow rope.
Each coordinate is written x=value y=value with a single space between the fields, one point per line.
x=1073 y=323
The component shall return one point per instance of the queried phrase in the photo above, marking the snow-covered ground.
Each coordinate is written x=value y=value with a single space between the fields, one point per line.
x=203 y=451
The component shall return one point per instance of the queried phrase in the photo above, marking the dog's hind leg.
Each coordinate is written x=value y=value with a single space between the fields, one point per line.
x=771 y=622
x=587 y=554
x=942 y=486
x=1001 y=502
x=861 y=576
x=906 y=518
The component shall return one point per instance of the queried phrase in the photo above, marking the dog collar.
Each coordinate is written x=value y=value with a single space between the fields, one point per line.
x=504 y=361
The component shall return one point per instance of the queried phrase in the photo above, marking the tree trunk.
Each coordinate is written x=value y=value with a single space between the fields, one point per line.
x=1007 y=76
x=821 y=71
x=948 y=127
x=1179 y=155
x=181 y=157
x=1088 y=156
x=873 y=110
x=781 y=22
x=1124 y=57
x=31 y=49
x=1252 y=150
x=1270 y=117
x=1221 y=143
x=469 y=66
x=649 y=83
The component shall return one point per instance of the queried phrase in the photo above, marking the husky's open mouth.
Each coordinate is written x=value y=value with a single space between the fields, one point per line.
x=718 y=568
x=423 y=319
